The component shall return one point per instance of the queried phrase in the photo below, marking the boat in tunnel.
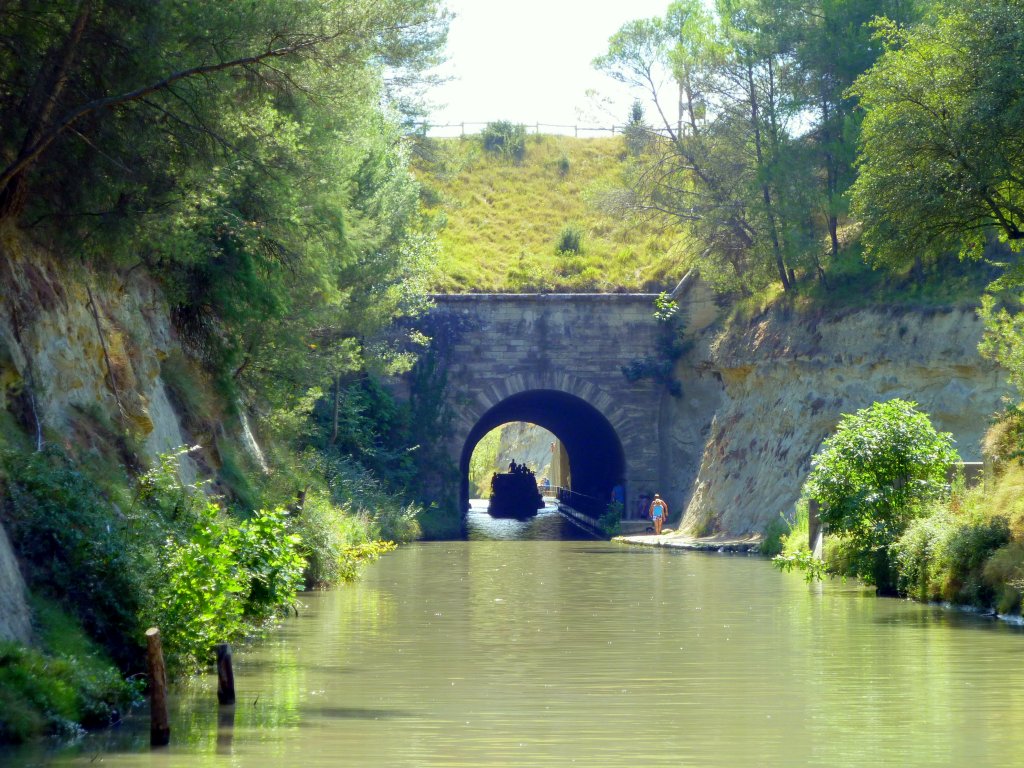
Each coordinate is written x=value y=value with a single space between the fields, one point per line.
x=514 y=494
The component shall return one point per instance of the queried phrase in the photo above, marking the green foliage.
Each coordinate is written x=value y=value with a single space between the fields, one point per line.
x=754 y=157
x=56 y=694
x=483 y=463
x=505 y=139
x=1003 y=572
x=874 y=475
x=774 y=535
x=671 y=346
x=498 y=223
x=802 y=560
x=73 y=547
x=329 y=534
x=1003 y=341
x=610 y=521
x=945 y=556
x=787 y=544
x=570 y=240
x=941 y=139
x=279 y=246
x=267 y=553
x=198 y=602
x=64 y=683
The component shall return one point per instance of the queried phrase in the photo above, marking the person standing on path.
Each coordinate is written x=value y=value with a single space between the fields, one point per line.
x=658 y=512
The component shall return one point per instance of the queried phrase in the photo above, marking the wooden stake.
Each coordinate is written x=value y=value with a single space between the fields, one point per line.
x=225 y=675
x=159 y=724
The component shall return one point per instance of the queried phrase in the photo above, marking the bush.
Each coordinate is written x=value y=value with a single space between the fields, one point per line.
x=42 y=694
x=610 y=522
x=943 y=557
x=571 y=240
x=1004 y=575
x=75 y=548
x=775 y=534
x=506 y=139
x=66 y=682
x=268 y=557
x=875 y=475
x=219 y=578
x=327 y=531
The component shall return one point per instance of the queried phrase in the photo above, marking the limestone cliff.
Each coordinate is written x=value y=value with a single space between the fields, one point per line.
x=761 y=397
x=79 y=350
x=80 y=366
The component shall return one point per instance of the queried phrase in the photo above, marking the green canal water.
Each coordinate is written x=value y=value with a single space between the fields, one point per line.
x=544 y=652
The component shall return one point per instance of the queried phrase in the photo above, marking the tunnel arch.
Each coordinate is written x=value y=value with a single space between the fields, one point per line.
x=597 y=461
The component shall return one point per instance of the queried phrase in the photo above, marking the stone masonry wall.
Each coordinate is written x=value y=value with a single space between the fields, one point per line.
x=575 y=344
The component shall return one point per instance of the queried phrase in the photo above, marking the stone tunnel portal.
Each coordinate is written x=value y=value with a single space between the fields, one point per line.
x=596 y=459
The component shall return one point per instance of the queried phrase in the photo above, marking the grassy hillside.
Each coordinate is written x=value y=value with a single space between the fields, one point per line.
x=501 y=221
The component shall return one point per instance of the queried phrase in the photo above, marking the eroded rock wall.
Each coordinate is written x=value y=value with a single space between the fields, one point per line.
x=80 y=359
x=760 y=399
x=79 y=347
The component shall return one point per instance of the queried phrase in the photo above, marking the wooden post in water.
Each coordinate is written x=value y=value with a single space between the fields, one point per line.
x=225 y=675
x=159 y=724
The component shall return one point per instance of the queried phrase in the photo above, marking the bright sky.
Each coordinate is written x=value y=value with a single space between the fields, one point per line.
x=528 y=61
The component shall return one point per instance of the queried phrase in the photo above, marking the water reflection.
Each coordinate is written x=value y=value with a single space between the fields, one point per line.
x=551 y=653
x=548 y=524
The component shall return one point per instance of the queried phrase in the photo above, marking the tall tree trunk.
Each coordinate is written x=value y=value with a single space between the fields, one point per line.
x=41 y=103
x=766 y=195
x=337 y=408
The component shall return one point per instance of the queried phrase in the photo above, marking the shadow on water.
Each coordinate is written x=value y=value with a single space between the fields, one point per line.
x=548 y=524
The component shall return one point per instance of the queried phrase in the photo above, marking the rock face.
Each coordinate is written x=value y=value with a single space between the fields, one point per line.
x=75 y=351
x=79 y=353
x=759 y=400
x=15 y=623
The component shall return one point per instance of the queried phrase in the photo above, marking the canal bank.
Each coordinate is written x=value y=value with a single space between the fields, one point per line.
x=719 y=543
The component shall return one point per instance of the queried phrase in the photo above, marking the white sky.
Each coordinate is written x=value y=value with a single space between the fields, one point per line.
x=528 y=61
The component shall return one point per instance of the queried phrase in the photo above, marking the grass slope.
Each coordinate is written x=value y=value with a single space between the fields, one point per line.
x=500 y=222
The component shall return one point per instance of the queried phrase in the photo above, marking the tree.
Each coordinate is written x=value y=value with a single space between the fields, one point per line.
x=724 y=160
x=248 y=155
x=834 y=44
x=942 y=146
x=873 y=476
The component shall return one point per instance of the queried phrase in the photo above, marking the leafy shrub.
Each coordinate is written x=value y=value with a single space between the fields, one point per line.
x=218 y=578
x=199 y=601
x=54 y=694
x=570 y=240
x=327 y=531
x=774 y=535
x=1004 y=575
x=943 y=557
x=74 y=547
x=395 y=522
x=506 y=139
x=267 y=555
x=563 y=166
x=962 y=555
x=610 y=522
x=873 y=476
x=916 y=556
x=66 y=682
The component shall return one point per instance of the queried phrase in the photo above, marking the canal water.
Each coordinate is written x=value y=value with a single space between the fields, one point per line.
x=547 y=652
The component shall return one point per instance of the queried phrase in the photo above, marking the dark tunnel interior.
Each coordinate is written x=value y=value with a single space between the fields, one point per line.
x=596 y=459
